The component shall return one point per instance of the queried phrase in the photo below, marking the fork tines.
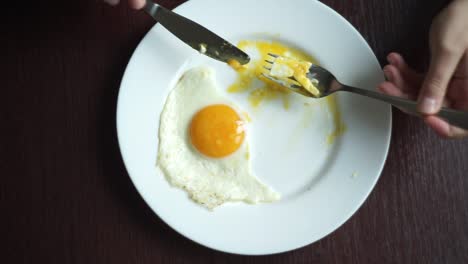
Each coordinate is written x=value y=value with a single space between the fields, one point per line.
x=270 y=61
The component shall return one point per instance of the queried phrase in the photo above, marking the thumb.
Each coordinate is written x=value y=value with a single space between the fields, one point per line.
x=441 y=69
x=137 y=4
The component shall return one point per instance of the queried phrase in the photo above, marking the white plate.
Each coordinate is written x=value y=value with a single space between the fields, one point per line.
x=319 y=192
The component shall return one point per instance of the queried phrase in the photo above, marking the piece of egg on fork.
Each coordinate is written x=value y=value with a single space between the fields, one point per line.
x=284 y=68
x=203 y=147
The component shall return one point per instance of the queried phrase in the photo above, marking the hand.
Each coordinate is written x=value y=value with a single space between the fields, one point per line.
x=136 y=4
x=446 y=82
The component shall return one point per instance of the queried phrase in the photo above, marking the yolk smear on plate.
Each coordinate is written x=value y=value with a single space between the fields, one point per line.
x=267 y=90
x=340 y=127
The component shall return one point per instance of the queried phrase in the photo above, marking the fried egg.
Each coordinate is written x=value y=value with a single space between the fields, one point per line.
x=203 y=146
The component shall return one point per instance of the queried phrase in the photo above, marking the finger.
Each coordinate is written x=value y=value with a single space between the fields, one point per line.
x=447 y=103
x=390 y=88
x=409 y=74
x=444 y=129
x=137 y=4
x=457 y=93
x=441 y=69
x=395 y=76
x=112 y=2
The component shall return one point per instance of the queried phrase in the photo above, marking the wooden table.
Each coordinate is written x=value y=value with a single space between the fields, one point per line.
x=65 y=195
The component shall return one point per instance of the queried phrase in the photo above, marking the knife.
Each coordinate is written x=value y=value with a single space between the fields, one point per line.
x=195 y=35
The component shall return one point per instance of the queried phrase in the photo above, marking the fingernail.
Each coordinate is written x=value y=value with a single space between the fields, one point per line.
x=390 y=60
x=428 y=106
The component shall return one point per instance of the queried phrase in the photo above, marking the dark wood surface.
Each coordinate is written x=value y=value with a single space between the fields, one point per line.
x=65 y=196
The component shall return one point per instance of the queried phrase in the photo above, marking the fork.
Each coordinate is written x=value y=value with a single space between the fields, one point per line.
x=327 y=84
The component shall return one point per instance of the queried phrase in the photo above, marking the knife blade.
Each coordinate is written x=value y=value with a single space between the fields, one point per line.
x=195 y=35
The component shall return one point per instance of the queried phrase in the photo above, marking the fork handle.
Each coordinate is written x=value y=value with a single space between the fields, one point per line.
x=454 y=117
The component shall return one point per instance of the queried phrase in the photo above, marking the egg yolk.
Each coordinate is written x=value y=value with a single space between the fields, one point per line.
x=217 y=131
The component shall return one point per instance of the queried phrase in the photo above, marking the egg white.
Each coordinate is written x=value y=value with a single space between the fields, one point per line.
x=208 y=181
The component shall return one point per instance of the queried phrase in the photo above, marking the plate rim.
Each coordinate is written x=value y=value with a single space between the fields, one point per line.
x=264 y=252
